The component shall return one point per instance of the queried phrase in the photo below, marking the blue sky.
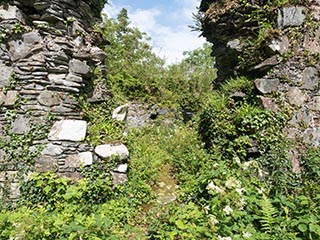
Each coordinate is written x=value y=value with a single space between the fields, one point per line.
x=165 y=21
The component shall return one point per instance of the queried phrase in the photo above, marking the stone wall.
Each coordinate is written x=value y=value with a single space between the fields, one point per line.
x=280 y=54
x=48 y=51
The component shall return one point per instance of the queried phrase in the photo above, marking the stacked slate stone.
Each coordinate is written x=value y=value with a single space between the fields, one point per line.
x=289 y=65
x=47 y=53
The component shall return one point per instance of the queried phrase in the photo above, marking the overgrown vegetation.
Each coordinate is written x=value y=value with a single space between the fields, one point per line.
x=226 y=164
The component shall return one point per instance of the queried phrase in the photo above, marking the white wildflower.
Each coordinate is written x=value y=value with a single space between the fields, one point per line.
x=233 y=183
x=237 y=160
x=212 y=187
x=260 y=190
x=228 y=210
x=247 y=165
x=224 y=238
x=213 y=220
x=206 y=209
x=246 y=234
x=262 y=174
x=241 y=204
x=240 y=190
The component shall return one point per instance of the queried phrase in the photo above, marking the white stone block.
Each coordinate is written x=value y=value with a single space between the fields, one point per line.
x=73 y=130
x=108 y=150
x=86 y=158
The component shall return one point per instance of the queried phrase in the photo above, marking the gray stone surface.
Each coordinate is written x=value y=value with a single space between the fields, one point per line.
x=98 y=54
x=49 y=98
x=73 y=130
x=32 y=38
x=2 y=155
x=67 y=83
x=52 y=150
x=311 y=136
x=109 y=150
x=2 y=98
x=120 y=113
x=291 y=16
x=6 y=72
x=41 y=5
x=73 y=161
x=86 y=158
x=46 y=163
x=289 y=61
x=267 y=85
x=56 y=77
x=315 y=103
x=14 y=190
x=11 y=98
x=79 y=67
x=24 y=47
x=310 y=78
x=139 y=115
x=279 y=45
x=21 y=125
x=234 y=44
x=302 y=117
x=119 y=178
x=294 y=157
x=51 y=69
x=74 y=78
x=100 y=93
x=269 y=104
x=266 y=64
x=296 y=96
x=11 y=13
x=122 y=168
x=312 y=43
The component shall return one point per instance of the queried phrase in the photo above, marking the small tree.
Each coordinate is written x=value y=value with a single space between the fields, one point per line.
x=133 y=69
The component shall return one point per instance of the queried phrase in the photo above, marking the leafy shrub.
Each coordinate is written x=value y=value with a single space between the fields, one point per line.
x=45 y=189
x=185 y=221
x=311 y=165
x=232 y=129
x=134 y=71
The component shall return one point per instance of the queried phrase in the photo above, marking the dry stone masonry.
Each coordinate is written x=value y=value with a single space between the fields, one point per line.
x=283 y=63
x=48 y=51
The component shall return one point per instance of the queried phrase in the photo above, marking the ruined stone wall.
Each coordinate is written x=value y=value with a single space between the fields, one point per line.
x=278 y=47
x=48 y=51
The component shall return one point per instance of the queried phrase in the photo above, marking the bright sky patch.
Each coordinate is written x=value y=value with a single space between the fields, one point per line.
x=166 y=21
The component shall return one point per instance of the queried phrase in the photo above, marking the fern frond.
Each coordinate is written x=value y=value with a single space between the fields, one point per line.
x=268 y=215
